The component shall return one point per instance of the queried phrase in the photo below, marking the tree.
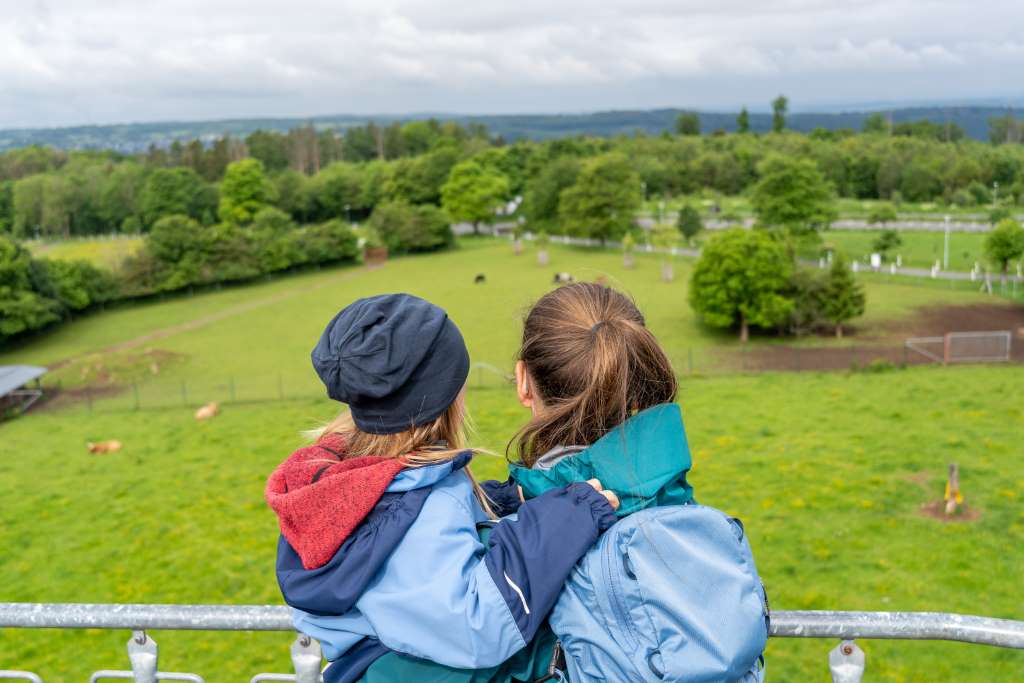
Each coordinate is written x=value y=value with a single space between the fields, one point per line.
x=742 y=279
x=792 y=193
x=21 y=308
x=886 y=242
x=178 y=246
x=603 y=202
x=1004 y=244
x=881 y=214
x=843 y=296
x=408 y=228
x=779 y=107
x=270 y=148
x=689 y=222
x=743 y=121
x=336 y=191
x=244 y=191
x=876 y=124
x=175 y=191
x=688 y=123
x=473 y=193
x=544 y=190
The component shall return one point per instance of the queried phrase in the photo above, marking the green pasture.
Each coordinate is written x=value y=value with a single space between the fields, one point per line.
x=107 y=253
x=828 y=471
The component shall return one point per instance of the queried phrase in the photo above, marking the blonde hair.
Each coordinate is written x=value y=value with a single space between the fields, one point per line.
x=419 y=446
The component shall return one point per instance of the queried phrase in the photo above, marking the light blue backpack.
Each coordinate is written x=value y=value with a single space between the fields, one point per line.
x=667 y=594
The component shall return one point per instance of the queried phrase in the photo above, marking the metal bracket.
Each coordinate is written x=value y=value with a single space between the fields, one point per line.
x=306 y=660
x=846 y=662
x=142 y=654
x=20 y=676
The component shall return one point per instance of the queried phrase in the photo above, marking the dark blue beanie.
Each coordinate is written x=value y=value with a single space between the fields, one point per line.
x=395 y=359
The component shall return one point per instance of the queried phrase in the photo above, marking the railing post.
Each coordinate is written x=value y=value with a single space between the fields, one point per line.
x=846 y=662
x=142 y=654
x=306 y=659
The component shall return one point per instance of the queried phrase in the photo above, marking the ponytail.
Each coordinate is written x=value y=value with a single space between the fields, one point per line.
x=592 y=363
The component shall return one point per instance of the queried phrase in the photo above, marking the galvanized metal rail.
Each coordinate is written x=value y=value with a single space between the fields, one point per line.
x=846 y=661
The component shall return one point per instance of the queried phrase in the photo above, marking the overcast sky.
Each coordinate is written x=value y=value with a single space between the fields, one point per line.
x=66 y=62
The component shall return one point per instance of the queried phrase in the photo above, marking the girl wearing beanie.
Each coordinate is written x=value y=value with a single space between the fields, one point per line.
x=388 y=552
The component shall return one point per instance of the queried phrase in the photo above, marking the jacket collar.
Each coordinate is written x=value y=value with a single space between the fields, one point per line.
x=644 y=461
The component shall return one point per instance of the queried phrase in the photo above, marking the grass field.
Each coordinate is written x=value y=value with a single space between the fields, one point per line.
x=108 y=253
x=828 y=471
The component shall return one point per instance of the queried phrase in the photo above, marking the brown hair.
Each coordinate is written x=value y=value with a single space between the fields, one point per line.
x=592 y=363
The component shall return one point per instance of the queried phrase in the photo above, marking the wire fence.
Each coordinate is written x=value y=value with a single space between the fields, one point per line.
x=152 y=393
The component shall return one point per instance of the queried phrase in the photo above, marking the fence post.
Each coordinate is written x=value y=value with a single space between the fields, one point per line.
x=904 y=354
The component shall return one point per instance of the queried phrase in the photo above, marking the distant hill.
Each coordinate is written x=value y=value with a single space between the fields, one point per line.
x=134 y=137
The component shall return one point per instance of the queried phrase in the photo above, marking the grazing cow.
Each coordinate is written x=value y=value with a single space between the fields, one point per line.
x=480 y=279
x=209 y=410
x=104 y=447
x=563 y=279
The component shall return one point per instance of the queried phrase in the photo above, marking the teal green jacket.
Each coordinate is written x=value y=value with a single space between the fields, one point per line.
x=644 y=461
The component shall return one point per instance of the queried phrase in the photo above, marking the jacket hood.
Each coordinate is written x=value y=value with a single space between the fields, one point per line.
x=644 y=461
x=320 y=497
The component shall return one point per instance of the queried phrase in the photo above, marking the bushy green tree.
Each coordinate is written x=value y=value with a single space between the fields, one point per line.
x=1004 y=244
x=336 y=187
x=881 y=214
x=689 y=222
x=420 y=180
x=408 y=228
x=176 y=191
x=792 y=193
x=178 y=245
x=473 y=193
x=688 y=123
x=603 y=202
x=742 y=279
x=543 y=192
x=21 y=308
x=270 y=148
x=244 y=191
x=844 y=297
x=886 y=241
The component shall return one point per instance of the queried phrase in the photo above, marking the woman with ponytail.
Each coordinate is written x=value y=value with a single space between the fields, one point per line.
x=670 y=592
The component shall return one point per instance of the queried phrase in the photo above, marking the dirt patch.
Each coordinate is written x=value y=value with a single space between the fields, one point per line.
x=937 y=510
x=885 y=349
x=919 y=479
x=929 y=321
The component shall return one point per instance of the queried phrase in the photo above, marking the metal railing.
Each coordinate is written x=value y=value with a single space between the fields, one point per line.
x=846 y=660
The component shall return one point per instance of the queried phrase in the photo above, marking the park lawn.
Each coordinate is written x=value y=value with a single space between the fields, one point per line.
x=828 y=472
x=106 y=253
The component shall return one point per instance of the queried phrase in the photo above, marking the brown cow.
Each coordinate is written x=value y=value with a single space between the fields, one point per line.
x=102 y=447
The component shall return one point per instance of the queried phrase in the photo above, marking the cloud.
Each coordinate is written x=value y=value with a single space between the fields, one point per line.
x=70 y=61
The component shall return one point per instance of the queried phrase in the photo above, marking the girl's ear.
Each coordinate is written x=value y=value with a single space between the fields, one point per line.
x=523 y=388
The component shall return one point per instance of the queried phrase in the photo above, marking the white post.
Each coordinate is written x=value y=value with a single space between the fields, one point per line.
x=856 y=266
x=899 y=260
x=945 y=247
